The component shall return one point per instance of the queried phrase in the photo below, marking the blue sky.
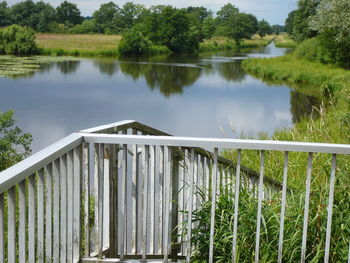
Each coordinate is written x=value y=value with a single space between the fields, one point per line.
x=274 y=11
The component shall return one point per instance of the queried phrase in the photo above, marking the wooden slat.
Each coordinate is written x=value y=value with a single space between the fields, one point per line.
x=40 y=216
x=2 y=224
x=145 y=171
x=167 y=194
x=134 y=173
x=139 y=210
x=122 y=210
x=113 y=179
x=283 y=208
x=11 y=223
x=100 y=157
x=213 y=205
x=207 y=177
x=70 y=206
x=87 y=193
x=22 y=236
x=260 y=199
x=190 y=207
x=157 y=208
x=63 y=210
x=181 y=214
x=31 y=219
x=151 y=190
x=330 y=209
x=77 y=165
x=48 y=213
x=56 y=209
x=235 y=220
x=306 y=207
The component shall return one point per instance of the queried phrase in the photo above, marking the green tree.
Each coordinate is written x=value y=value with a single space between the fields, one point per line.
x=129 y=15
x=306 y=9
x=289 y=23
x=68 y=14
x=277 y=29
x=5 y=18
x=332 y=23
x=17 y=40
x=264 y=28
x=134 y=42
x=225 y=14
x=209 y=27
x=14 y=144
x=87 y=27
x=105 y=16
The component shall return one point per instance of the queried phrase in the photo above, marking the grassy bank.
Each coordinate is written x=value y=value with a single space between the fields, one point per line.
x=224 y=43
x=283 y=40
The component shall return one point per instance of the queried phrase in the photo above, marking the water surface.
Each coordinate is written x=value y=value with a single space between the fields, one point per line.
x=208 y=95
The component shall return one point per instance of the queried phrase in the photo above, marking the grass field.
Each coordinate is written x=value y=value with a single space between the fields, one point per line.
x=283 y=40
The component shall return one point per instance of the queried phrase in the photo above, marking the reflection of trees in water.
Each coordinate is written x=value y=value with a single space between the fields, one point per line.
x=231 y=71
x=302 y=105
x=109 y=67
x=68 y=67
x=169 y=79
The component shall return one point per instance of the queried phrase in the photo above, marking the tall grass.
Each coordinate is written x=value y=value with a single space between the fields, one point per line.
x=283 y=40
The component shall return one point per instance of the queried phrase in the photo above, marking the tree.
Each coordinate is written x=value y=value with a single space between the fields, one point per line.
x=197 y=16
x=14 y=145
x=226 y=13
x=332 y=22
x=68 y=14
x=263 y=28
x=289 y=23
x=17 y=40
x=209 y=27
x=306 y=9
x=5 y=19
x=105 y=16
x=134 y=42
x=129 y=15
x=277 y=29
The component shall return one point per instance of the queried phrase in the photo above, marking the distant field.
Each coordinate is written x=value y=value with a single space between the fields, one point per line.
x=78 y=42
x=283 y=40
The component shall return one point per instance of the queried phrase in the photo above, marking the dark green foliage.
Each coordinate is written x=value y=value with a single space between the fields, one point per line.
x=128 y=16
x=4 y=14
x=14 y=145
x=264 y=28
x=277 y=29
x=289 y=24
x=306 y=9
x=68 y=14
x=35 y=15
x=312 y=49
x=209 y=27
x=87 y=27
x=17 y=40
x=104 y=17
x=197 y=16
x=134 y=42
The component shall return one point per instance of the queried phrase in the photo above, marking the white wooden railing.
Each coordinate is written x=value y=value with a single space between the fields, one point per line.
x=119 y=191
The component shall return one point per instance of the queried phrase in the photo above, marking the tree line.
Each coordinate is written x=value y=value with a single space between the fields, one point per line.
x=322 y=27
x=179 y=29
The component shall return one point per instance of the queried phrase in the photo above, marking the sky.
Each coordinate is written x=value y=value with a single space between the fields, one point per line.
x=274 y=11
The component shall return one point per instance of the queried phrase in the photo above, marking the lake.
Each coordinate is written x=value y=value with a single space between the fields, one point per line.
x=208 y=95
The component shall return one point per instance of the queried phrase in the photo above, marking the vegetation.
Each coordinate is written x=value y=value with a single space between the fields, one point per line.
x=283 y=40
x=14 y=144
x=264 y=28
x=17 y=40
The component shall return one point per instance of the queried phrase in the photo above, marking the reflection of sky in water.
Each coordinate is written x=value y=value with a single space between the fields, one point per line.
x=51 y=104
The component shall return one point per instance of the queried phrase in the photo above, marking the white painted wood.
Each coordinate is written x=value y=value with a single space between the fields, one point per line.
x=134 y=173
x=48 y=212
x=70 y=206
x=106 y=199
x=31 y=219
x=63 y=210
x=167 y=194
x=235 y=220
x=306 y=207
x=161 y=197
x=151 y=202
x=2 y=224
x=87 y=193
x=330 y=209
x=190 y=207
x=181 y=215
x=213 y=206
x=122 y=210
x=283 y=207
x=11 y=225
x=30 y=165
x=260 y=199
x=158 y=204
x=145 y=172
x=56 y=210
x=196 y=181
x=100 y=157
x=22 y=224
x=113 y=126
x=40 y=216
x=77 y=165
x=207 y=177
x=94 y=234
x=220 y=143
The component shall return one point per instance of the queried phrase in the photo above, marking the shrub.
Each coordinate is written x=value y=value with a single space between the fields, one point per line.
x=17 y=40
x=134 y=42
x=313 y=50
x=88 y=26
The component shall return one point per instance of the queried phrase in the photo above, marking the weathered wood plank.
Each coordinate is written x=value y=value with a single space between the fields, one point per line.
x=22 y=236
x=87 y=194
x=63 y=211
x=40 y=216
x=2 y=233
x=77 y=166
x=11 y=225
x=31 y=219
x=48 y=213
x=56 y=209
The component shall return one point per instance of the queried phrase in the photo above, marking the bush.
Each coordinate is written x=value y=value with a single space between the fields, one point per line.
x=17 y=40
x=313 y=50
x=87 y=27
x=134 y=42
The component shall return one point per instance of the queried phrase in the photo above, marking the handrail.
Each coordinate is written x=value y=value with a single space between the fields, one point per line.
x=219 y=143
x=30 y=165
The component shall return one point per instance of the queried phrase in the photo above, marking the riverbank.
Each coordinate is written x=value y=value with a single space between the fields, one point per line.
x=88 y=45
x=328 y=124
x=283 y=40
